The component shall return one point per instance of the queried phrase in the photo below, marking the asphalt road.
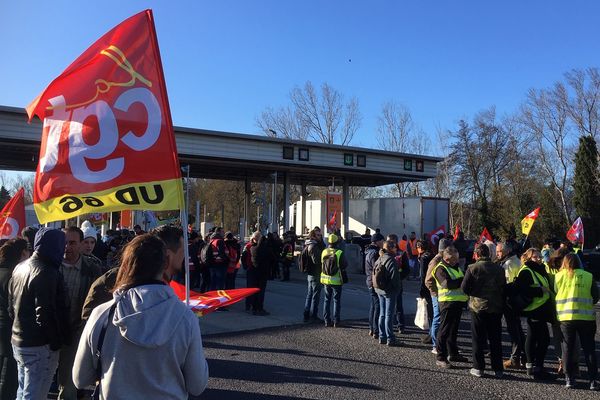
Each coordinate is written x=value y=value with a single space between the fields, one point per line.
x=314 y=362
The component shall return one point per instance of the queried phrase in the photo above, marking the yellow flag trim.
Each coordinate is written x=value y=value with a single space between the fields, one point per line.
x=156 y=195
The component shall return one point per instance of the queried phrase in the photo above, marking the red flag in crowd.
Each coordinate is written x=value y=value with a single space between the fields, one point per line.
x=529 y=220
x=204 y=303
x=434 y=235
x=107 y=139
x=575 y=233
x=485 y=235
x=333 y=222
x=12 y=216
x=456 y=231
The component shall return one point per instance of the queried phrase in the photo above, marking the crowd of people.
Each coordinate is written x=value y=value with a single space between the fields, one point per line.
x=86 y=320
x=549 y=288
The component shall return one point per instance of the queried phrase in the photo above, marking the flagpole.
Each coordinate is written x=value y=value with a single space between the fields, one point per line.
x=184 y=224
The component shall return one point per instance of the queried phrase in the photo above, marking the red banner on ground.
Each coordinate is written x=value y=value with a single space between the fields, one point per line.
x=204 y=303
x=107 y=140
x=12 y=216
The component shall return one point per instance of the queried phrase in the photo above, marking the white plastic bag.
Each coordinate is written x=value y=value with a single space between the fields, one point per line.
x=421 y=319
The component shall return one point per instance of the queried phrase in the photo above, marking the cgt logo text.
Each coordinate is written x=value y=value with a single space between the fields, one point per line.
x=130 y=196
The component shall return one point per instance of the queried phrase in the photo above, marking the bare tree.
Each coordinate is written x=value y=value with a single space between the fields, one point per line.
x=323 y=117
x=583 y=107
x=545 y=116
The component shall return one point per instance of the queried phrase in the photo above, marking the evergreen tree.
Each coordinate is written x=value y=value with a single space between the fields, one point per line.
x=587 y=189
x=4 y=196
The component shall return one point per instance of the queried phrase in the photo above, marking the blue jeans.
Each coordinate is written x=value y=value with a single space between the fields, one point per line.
x=400 y=311
x=217 y=277
x=435 y=323
x=387 y=305
x=335 y=292
x=313 y=295
x=35 y=367
x=374 y=312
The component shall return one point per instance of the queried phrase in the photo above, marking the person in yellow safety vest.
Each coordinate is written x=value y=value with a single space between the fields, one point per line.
x=448 y=278
x=576 y=294
x=333 y=275
x=532 y=283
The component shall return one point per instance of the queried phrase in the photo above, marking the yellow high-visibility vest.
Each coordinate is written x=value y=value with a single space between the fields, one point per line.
x=445 y=294
x=334 y=280
x=573 y=296
x=538 y=281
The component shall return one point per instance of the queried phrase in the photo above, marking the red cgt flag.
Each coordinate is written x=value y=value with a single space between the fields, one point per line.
x=204 y=303
x=333 y=221
x=575 y=233
x=12 y=216
x=485 y=235
x=107 y=140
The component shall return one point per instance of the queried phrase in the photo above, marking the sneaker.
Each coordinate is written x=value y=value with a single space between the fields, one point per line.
x=371 y=333
x=327 y=323
x=376 y=336
x=569 y=383
x=426 y=340
x=476 y=372
x=498 y=374
x=458 y=358
x=594 y=385
x=511 y=364
x=382 y=341
x=434 y=351
x=443 y=364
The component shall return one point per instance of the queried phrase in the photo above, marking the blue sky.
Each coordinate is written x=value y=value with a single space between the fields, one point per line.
x=226 y=61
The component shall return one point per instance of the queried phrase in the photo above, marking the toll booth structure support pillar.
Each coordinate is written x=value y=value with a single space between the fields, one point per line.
x=247 y=199
x=303 y=194
x=286 y=202
x=345 y=208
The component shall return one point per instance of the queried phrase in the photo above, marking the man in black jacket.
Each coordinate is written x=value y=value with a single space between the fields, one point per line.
x=38 y=306
x=484 y=282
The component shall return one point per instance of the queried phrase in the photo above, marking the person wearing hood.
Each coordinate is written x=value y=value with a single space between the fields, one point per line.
x=144 y=322
x=313 y=247
x=38 y=305
x=387 y=295
x=371 y=256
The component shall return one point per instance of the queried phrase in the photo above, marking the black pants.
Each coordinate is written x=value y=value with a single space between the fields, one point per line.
x=8 y=377
x=205 y=285
x=487 y=327
x=374 y=311
x=536 y=344
x=517 y=336
x=256 y=279
x=450 y=312
x=586 y=330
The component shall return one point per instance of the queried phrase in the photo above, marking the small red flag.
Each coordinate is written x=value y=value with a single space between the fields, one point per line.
x=12 y=216
x=333 y=222
x=485 y=235
x=456 y=231
x=204 y=303
x=575 y=233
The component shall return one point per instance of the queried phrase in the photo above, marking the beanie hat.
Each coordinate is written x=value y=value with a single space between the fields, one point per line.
x=443 y=244
x=88 y=230
x=332 y=239
x=377 y=237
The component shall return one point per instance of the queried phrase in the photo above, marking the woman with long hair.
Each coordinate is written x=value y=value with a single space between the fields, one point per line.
x=151 y=347
x=576 y=294
x=11 y=253
x=532 y=283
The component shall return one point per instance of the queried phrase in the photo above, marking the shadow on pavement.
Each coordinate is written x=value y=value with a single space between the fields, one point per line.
x=220 y=394
x=264 y=373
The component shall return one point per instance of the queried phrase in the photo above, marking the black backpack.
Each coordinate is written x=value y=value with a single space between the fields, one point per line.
x=206 y=254
x=381 y=276
x=330 y=264
x=305 y=263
